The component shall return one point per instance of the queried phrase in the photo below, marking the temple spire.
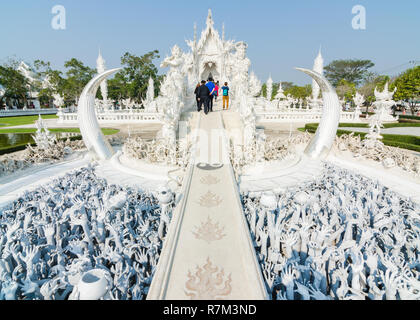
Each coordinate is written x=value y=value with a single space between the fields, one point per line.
x=223 y=32
x=210 y=21
x=195 y=32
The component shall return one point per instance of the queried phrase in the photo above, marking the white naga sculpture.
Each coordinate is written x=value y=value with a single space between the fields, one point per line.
x=88 y=122
x=384 y=103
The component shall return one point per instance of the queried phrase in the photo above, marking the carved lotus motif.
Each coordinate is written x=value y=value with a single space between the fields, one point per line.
x=209 y=231
x=208 y=283
x=209 y=180
x=210 y=200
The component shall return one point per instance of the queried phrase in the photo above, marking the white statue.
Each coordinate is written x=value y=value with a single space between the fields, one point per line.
x=58 y=100
x=384 y=103
x=254 y=85
x=359 y=100
x=43 y=138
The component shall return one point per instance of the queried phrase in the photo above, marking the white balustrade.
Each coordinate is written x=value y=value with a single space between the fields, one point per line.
x=301 y=116
x=28 y=112
x=115 y=116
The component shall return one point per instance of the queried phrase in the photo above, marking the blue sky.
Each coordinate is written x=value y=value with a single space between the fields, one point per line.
x=281 y=34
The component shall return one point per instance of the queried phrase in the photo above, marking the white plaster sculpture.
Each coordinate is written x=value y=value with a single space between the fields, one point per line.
x=325 y=135
x=88 y=122
x=254 y=85
x=43 y=137
x=359 y=100
x=80 y=238
x=374 y=149
x=58 y=100
x=384 y=103
x=342 y=237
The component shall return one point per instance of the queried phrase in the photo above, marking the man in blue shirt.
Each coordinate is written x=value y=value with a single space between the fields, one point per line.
x=210 y=84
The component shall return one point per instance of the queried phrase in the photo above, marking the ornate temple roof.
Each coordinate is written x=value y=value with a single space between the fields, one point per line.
x=210 y=34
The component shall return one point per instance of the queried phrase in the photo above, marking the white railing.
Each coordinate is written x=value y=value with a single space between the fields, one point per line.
x=28 y=112
x=116 y=116
x=302 y=116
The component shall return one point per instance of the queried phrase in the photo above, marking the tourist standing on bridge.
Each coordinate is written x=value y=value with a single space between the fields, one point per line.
x=203 y=97
x=216 y=91
x=225 y=90
x=212 y=87
x=197 y=96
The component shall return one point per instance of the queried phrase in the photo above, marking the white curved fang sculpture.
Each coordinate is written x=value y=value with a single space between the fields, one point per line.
x=88 y=123
x=321 y=144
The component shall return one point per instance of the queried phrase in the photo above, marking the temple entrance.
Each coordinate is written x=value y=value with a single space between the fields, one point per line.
x=210 y=71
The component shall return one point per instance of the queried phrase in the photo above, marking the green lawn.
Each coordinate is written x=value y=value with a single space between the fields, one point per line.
x=386 y=125
x=23 y=120
x=401 y=141
x=106 y=131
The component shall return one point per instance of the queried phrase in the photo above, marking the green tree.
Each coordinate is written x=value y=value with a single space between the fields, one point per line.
x=15 y=85
x=408 y=87
x=118 y=87
x=78 y=76
x=134 y=78
x=57 y=82
x=351 y=70
x=299 y=92
x=346 y=89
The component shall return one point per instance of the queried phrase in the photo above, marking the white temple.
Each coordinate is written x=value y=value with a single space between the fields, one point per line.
x=209 y=216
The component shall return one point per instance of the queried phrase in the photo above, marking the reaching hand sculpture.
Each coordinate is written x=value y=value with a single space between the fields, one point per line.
x=360 y=240
x=47 y=248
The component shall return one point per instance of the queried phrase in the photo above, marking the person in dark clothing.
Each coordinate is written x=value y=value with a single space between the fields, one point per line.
x=196 y=96
x=203 y=97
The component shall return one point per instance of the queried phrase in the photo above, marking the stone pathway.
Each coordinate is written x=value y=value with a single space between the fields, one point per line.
x=208 y=253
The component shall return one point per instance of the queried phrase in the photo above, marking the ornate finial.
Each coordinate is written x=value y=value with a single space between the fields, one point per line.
x=223 y=32
x=195 y=32
x=210 y=21
x=100 y=62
